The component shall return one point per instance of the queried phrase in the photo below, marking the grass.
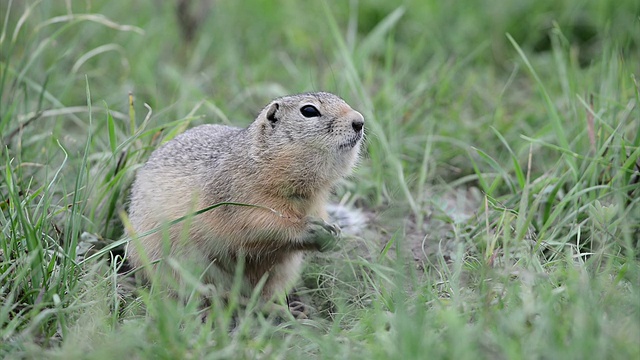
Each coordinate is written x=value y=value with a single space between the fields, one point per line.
x=501 y=169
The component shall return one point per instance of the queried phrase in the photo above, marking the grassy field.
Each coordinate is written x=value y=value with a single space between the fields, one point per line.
x=500 y=180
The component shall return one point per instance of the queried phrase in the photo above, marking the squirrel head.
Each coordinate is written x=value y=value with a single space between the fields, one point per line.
x=319 y=127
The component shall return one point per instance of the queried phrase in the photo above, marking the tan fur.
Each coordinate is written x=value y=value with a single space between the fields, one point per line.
x=287 y=163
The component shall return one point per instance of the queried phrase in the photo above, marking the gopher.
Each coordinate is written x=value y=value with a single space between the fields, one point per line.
x=284 y=164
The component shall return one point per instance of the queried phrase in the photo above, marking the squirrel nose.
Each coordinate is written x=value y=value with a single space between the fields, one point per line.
x=358 y=123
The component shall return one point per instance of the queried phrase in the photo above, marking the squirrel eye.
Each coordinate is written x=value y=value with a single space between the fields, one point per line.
x=309 y=111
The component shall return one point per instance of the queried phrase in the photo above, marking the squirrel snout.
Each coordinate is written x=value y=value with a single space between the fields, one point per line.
x=358 y=123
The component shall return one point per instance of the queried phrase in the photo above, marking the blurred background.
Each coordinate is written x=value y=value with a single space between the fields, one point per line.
x=411 y=56
x=413 y=67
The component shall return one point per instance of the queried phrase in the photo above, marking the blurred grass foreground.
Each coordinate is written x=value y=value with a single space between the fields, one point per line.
x=497 y=198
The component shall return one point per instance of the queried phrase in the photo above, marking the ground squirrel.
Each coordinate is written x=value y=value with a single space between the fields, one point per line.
x=287 y=160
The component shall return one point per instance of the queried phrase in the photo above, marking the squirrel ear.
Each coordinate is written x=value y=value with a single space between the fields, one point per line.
x=271 y=114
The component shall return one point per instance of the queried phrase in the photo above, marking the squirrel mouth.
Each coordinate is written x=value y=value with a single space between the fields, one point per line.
x=352 y=142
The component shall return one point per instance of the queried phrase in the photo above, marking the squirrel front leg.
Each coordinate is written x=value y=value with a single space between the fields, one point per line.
x=263 y=233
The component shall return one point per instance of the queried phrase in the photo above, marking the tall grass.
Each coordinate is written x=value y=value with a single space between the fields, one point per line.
x=501 y=170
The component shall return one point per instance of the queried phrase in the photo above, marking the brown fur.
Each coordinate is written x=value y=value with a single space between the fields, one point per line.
x=283 y=161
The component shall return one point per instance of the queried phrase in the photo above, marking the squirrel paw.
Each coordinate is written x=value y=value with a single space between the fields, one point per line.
x=299 y=310
x=326 y=236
